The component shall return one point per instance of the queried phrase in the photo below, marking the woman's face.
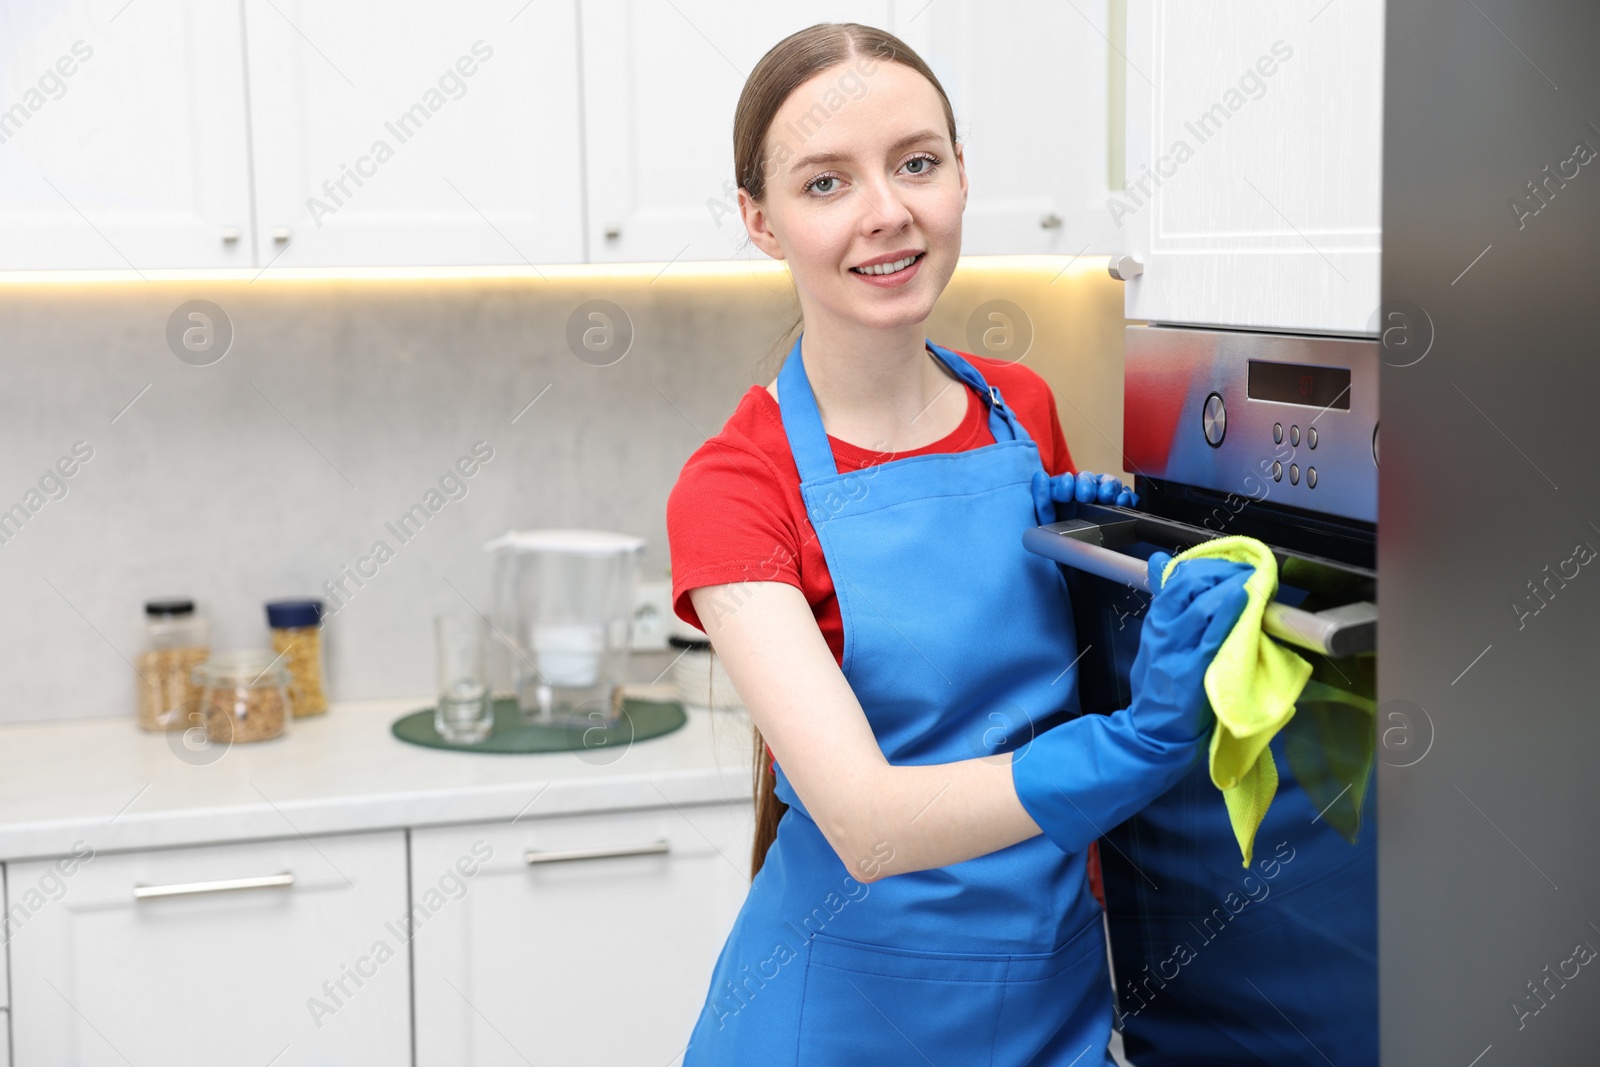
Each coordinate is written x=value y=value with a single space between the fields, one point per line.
x=860 y=167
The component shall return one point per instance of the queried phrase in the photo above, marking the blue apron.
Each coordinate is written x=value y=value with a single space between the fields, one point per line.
x=957 y=643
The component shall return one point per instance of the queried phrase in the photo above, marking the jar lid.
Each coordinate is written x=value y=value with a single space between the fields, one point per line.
x=684 y=641
x=293 y=614
x=159 y=609
x=243 y=666
x=573 y=542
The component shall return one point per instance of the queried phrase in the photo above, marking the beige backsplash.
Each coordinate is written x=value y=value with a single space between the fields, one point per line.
x=343 y=402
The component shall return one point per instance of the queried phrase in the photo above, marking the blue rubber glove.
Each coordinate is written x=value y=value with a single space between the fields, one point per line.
x=1081 y=778
x=1084 y=487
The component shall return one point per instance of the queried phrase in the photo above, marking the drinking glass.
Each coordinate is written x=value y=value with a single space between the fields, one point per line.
x=464 y=714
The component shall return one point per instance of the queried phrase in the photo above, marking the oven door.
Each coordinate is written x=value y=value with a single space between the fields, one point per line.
x=1215 y=963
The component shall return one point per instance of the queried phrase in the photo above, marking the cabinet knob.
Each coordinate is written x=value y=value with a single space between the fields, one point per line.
x=1051 y=221
x=612 y=231
x=230 y=234
x=281 y=234
x=1123 y=268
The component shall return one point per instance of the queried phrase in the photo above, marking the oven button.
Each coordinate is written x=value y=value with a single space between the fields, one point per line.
x=1311 y=436
x=1311 y=477
x=1294 y=435
x=1277 y=471
x=1214 y=420
x=1277 y=433
x=1294 y=474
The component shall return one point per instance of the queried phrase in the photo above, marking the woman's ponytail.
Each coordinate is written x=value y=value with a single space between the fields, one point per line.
x=769 y=809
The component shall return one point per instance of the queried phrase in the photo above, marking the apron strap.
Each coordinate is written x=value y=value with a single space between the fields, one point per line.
x=1003 y=422
x=802 y=423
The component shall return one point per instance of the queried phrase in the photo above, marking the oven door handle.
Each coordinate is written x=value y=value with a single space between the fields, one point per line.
x=1347 y=630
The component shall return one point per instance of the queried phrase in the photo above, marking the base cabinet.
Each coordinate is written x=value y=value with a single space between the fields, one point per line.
x=570 y=939
x=577 y=939
x=259 y=953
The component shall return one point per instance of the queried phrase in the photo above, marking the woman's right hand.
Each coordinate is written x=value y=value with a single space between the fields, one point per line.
x=1088 y=774
x=1190 y=616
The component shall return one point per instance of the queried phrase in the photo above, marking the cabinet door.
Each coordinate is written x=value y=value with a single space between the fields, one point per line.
x=574 y=960
x=122 y=136
x=1030 y=93
x=415 y=133
x=308 y=971
x=5 y=979
x=1254 y=163
x=661 y=81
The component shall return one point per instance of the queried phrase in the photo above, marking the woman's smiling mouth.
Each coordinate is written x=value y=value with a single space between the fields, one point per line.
x=891 y=272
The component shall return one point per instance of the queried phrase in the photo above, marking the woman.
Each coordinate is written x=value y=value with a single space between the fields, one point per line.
x=851 y=543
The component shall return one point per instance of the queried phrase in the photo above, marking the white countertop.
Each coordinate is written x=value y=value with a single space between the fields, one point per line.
x=116 y=787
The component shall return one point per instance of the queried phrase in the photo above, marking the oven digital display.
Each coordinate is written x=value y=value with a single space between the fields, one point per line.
x=1297 y=383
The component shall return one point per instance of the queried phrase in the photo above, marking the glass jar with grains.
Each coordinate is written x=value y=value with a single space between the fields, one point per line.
x=244 y=695
x=297 y=637
x=176 y=642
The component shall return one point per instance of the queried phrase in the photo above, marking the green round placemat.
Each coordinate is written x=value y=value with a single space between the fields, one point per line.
x=640 y=720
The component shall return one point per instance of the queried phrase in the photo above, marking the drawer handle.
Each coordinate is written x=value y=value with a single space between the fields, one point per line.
x=189 y=889
x=563 y=855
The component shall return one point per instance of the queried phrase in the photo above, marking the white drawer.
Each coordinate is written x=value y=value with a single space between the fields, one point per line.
x=216 y=954
x=627 y=909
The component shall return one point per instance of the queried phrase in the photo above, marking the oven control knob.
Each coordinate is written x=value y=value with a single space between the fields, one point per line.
x=1214 y=420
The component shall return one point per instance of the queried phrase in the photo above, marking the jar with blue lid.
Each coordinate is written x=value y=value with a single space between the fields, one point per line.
x=297 y=639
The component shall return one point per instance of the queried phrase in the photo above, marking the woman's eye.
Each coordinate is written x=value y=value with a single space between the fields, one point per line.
x=826 y=184
x=815 y=185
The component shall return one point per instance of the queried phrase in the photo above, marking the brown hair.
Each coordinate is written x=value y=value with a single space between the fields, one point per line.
x=789 y=64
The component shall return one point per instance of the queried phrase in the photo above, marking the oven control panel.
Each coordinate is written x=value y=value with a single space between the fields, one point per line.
x=1271 y=417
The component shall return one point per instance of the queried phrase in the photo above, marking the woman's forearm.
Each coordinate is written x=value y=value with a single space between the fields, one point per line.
x=881 y=819
x=916 y=817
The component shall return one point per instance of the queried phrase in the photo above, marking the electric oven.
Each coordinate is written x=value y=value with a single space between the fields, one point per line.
x=1274 y=437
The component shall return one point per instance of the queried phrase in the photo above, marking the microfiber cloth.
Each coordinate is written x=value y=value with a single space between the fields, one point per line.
x=1253 y=683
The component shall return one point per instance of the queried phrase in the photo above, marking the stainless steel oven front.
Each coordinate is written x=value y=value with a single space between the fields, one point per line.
x=1274 y=437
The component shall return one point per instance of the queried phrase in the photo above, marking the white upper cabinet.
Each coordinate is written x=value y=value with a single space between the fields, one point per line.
x=279 y=133
x=1254 y=151
x=122 y=136
x=1028 y=83
x=415 y=133
x=661 y=82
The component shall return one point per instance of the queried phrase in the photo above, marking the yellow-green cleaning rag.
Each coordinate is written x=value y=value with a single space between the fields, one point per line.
x=1253 y=683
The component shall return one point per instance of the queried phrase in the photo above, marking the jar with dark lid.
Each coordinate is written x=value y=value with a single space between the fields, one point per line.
x=297 y=638
x=176 y=642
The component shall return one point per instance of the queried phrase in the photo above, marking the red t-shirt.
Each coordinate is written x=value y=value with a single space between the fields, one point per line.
x=736 y=513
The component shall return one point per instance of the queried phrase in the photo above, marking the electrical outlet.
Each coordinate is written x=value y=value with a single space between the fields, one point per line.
x=652 y=616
